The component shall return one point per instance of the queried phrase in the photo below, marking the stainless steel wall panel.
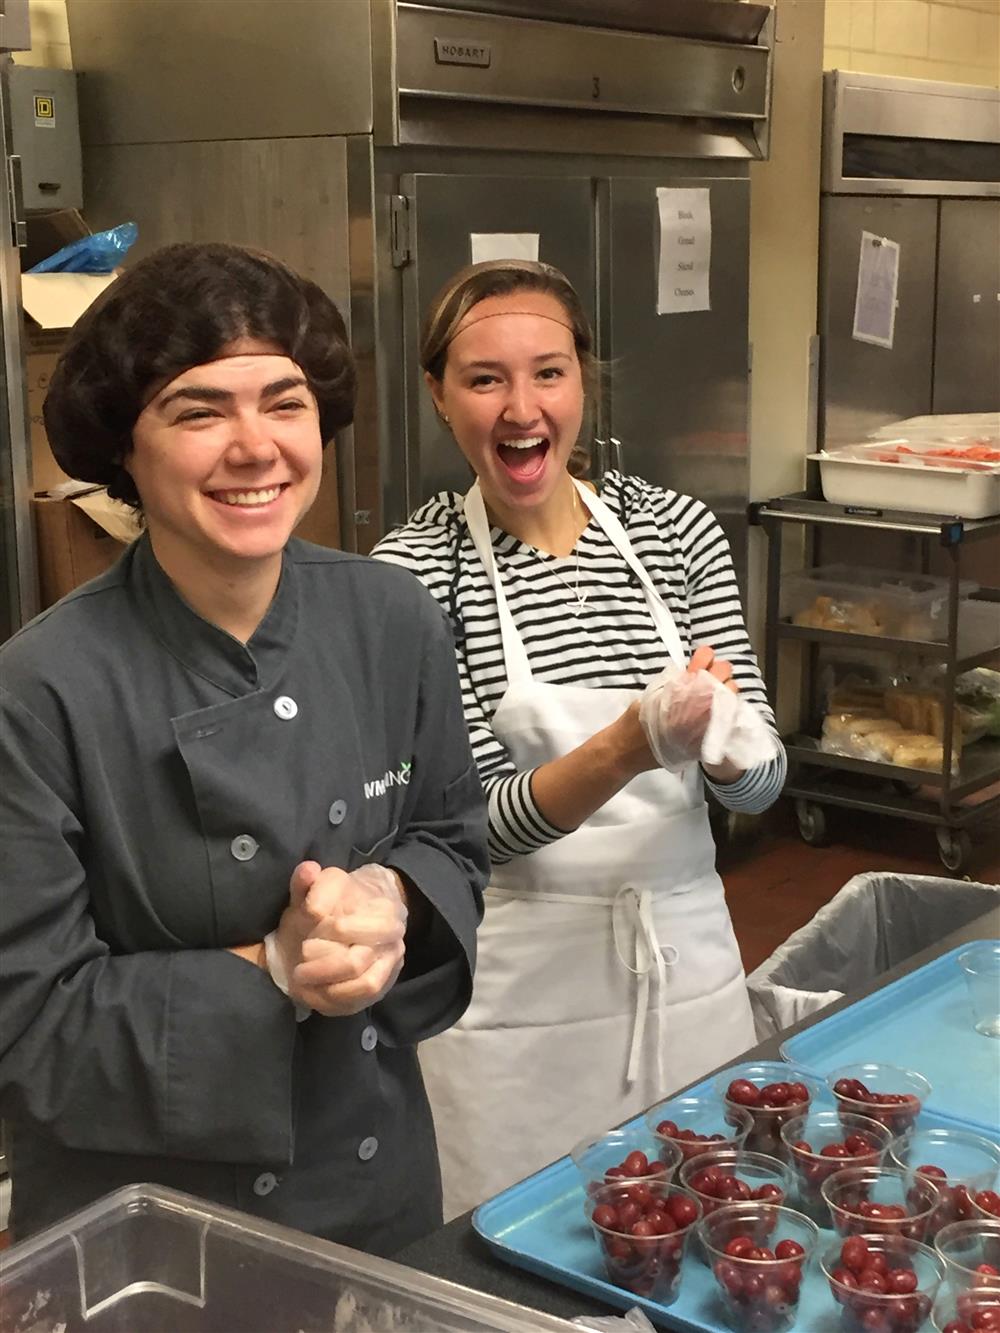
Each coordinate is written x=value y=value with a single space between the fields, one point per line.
x=967 y=328
x=284 y=195
x=864 y=386
x=899 y=111
x=18 y=574
x=727 y=20
x=288 y=196
x=444 y=210
x=679 y=382
x=163 y=71
x=488 y=58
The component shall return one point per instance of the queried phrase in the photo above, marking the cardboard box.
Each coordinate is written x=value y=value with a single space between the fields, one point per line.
x=72 y=547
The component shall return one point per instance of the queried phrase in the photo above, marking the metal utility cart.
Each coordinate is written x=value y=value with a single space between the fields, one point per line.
x=818 y=779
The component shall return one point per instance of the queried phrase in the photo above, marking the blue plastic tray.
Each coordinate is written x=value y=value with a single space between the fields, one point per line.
x=923 y=1022
x=539 y=1224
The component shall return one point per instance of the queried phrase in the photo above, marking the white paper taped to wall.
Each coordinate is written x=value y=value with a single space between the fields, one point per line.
x=875 y=299
x=685 y=250
x=503 y=245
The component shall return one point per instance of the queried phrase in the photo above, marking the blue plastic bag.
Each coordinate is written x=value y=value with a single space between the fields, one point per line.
x=101 y=253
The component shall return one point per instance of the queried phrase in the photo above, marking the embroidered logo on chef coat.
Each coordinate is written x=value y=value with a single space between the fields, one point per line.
x=399 y=777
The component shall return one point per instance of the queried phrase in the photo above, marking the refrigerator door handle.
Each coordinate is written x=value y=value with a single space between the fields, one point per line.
x=18 y=222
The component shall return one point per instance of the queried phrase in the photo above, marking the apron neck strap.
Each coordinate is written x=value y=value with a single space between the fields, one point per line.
x=515 y=654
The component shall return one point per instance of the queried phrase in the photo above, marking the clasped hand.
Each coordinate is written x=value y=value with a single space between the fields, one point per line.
x=341 y=937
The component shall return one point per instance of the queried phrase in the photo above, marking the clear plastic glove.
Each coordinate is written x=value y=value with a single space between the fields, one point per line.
x=339 y=946
x=693 y=716
x=675 y=711
x=633 y=1321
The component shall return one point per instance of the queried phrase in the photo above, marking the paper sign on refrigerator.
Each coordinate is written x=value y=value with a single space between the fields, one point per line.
x=875 y=298
x=685 y=250
x=503 y=245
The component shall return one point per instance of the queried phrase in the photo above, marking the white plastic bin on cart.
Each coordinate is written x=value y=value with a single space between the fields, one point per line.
x=875 y=922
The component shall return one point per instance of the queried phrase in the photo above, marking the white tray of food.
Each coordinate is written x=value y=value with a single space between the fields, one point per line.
x=954 y=477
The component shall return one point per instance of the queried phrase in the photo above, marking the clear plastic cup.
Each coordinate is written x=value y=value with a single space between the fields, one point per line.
x=879 y=1081
x=758 y=1254
x=971 y=1253
x=878 y=1200
x=980 y=966
x=758 y=1178
x=903 y=1302
x=986 y=1206
x=960 y=1163
x=643 y=1230
x=695 y=1125
x=773 y=1092
x=631 y=1154
x=811 y=1151
x=973 y=1312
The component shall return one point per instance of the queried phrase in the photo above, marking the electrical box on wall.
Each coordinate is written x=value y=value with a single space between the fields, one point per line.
x=45 y=128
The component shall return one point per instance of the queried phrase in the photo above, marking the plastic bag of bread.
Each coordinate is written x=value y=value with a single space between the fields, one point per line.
x=840 y=613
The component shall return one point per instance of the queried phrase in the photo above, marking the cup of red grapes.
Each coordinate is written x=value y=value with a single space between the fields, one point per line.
x=630 y=1153
x=643 y=1229
x=964 y=1166
x=971 y=1254
x=881 y=1200
x=970 y=1312
x=693 y=1125
x=729 y=1175
x=772 y=1092
x=758 y=1254
x=883 y=1284
x=824 y=1142
x=885 y=1093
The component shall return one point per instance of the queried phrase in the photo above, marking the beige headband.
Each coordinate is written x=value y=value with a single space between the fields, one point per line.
x=498 y=314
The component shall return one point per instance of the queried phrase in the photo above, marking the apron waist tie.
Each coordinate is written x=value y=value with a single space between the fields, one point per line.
x=632 y=913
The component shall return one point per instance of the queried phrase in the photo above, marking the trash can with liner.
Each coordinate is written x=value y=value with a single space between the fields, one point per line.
x=874 y=922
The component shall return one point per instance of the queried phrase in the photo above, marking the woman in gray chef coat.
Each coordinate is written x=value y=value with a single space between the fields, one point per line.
x=201 y=748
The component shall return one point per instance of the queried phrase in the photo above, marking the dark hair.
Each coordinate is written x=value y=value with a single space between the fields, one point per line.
x=180 y=307
x=506 y=277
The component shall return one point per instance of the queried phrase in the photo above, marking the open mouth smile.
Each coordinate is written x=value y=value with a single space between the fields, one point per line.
x=524 y=459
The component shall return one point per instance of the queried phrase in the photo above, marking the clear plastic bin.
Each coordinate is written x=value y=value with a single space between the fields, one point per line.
x=870 y=601
x=150 y=1260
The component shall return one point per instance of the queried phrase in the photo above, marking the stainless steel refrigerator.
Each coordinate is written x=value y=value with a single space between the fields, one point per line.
x=916 y=163
x=368 y=141
x=18 y=588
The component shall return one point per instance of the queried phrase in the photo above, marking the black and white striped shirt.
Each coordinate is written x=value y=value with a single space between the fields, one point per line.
x=608 y=642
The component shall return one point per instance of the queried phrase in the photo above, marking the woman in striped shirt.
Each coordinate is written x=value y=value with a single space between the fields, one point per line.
x=608 y=972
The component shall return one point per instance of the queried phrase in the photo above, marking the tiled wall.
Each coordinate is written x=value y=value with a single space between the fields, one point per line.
x=957 y=41
x=49 y=36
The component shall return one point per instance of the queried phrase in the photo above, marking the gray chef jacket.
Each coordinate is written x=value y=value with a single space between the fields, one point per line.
x=161 y=780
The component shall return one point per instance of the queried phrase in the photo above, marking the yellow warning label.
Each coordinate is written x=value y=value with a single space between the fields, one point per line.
x=44 y=108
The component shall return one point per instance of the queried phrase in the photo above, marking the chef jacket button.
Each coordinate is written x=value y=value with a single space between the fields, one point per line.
x=369 y=1038
x=338 y=812
x=243 y=847
x=264 y=1184
x=285 y=708
x=367 y=1149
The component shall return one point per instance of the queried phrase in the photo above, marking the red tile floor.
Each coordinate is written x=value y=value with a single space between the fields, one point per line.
x=775 y=882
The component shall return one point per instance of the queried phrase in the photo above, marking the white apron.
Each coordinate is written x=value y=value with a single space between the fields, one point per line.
x=608 y=972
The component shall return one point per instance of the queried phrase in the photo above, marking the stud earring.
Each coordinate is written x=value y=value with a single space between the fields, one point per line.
x=446 y=420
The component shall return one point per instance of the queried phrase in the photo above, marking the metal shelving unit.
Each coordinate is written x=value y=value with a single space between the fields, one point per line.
x=818 y=779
